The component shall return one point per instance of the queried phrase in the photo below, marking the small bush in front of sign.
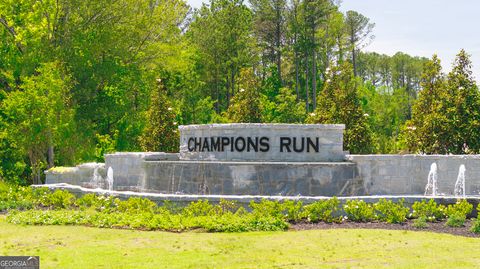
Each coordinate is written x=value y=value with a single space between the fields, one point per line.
x=326 y=211
x=359 y=211
x=391 y=212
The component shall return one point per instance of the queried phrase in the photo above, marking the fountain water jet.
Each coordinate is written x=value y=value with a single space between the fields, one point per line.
x=96 y=178
x=460 y=183
x=432 y=181
x=110 y=178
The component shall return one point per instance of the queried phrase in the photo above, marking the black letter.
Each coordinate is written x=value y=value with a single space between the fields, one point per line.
x=215 y=143
x=264 y=144
x=285 y=142
x=191 y=148
x=254 y=145
x=225 y=142
x=205 y=144
x=298 y=150
x=315 y=146
x=240 y=149
x=198 y=143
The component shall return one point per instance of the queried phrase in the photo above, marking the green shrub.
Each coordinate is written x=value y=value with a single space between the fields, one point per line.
x=137 y=205
x=456 y=220
x=391 y=212
x=475 y=226
x=199 y=208
x=430 y=210
x=15 y=197
x=293 y=210
x=225 y=206
x=57 y=200
x=325 y=211
x=359 y=211
x=460 y=208
x=98 y=202
x=228 y=222
x=420 y=223
x=267 y=208
x=287 y=210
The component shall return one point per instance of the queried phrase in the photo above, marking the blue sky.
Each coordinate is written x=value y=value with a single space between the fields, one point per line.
x=421 y=27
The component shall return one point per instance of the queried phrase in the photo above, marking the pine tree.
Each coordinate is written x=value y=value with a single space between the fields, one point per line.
x=161 y=130
x=338 y=103
x=246 y=105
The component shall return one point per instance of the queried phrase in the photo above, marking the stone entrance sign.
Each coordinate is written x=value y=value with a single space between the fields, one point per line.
x=262 y=142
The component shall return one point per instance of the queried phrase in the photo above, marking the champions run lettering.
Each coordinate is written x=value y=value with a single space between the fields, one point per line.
x=248 y=144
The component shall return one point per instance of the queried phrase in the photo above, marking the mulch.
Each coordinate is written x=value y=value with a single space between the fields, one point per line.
x=435 y=227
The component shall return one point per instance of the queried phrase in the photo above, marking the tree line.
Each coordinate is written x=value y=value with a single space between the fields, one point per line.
x=80 y=79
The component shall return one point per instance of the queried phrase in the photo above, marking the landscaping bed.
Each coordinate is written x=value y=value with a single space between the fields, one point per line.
x=41 y=206
x=409 y=225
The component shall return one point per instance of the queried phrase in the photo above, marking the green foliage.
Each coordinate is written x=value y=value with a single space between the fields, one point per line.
x=420 y=223
x=430 y=210
x=339 y=103
x=160 y=133
x=456 y=220
x=284 y=109
x=445 y=117
x=59 y=199
x=425 y=130
x=99 y=203
x=290 y=211
x=246 y=105
x=461 y=208
x=326 y=211
x=134 y=205
x=475 y=226
x=221 y=34
x=105 y=145
x=199 y=208
x=14 y=197
x=391 y=212
x=38 y=116
x=359 y=211
x=41 y=206
x=13 y=168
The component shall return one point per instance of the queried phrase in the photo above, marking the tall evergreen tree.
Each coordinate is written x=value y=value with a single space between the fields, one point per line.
x=463 y=107
x=269 y=26
x=161 y=131
x=359 y=30
x=426 y=130
x=246 y=106
x=339 y=104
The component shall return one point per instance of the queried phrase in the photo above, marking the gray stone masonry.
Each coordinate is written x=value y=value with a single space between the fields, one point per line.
x=407 y=174
x=78 y=175
x=330 y=142
x=251 y=178
x=128 y=171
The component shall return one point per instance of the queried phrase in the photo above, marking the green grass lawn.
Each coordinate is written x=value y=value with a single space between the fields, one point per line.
x=83 y=247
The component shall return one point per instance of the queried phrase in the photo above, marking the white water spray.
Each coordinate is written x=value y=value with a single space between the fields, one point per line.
x=110 y=178
x=97 y=178
x=460 y=184
x=431 y=188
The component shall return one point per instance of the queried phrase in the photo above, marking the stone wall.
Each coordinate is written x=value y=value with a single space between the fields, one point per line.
x=252 y=178
x=78 y=175
x=362 y=174
x=128 y=170
x=407 y=174
x=327 y=138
